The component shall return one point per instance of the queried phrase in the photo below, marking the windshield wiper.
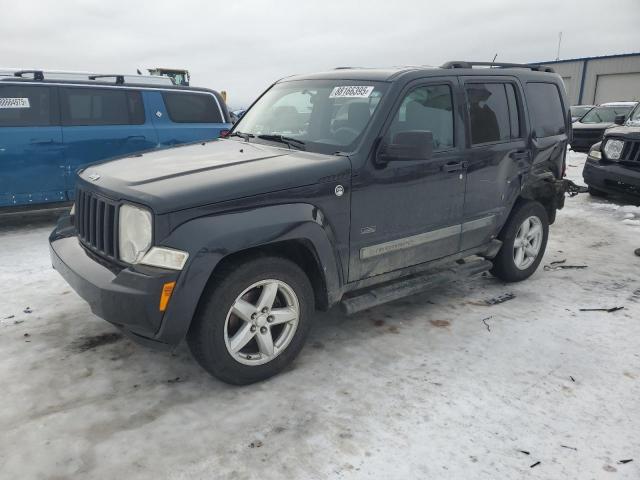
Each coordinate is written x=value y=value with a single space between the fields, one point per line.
x=289 y=141
x=244 y=136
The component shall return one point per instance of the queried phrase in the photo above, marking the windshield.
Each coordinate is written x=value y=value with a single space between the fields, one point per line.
x=605 y=114
x=579 y=111
x=324 y=116
x=634 y=118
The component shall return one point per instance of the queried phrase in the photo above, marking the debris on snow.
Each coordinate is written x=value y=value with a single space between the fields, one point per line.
x=561 y=266
x=566 y=446
x=28 y=310
x=500 y=299
x=608 y=310
x=174 y=380
x=255 y=444
x=625 y=461
x=89 y=343
x=573 y=380
x=535 y=464
x=525 y=452
x=484 y=320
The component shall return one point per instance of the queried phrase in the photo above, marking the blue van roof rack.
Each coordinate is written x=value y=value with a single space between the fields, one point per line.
x=119 y=77
x=37 y=74
x=463 y=64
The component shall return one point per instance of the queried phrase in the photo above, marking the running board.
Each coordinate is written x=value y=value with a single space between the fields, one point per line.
x=404 y=287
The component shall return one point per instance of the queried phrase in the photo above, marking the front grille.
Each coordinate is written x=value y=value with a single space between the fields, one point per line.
x=630 y=152
x=95 y=220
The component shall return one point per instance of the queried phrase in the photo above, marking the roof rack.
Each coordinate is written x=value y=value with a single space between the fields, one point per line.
x=119 y=78
x=463 y=64
x=37 y=74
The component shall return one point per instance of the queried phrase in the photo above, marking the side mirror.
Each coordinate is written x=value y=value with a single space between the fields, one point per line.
x=619 y=120
x=410 y=145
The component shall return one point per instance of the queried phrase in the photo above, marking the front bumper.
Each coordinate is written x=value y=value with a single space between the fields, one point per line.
x=126 y=297
x=611 y=177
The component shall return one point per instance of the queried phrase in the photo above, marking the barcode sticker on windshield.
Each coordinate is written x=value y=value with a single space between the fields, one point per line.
x=356 y=91
x=14 y=102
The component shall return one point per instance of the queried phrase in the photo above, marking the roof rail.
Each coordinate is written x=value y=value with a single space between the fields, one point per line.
x=463 y=64
x=119 y=78
x=71 y=76
x=37 y=74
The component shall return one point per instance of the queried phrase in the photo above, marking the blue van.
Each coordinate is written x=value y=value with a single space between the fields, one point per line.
x=49 y=128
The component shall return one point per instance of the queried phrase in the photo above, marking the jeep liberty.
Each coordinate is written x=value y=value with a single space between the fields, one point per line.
x=353 y=187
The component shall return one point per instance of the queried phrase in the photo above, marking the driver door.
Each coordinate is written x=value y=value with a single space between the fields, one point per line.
x=407 y=212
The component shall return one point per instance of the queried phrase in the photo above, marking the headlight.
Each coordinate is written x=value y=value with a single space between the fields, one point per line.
x=134 y=232
x=595 y=153
x=164 y=257
x=613 y=149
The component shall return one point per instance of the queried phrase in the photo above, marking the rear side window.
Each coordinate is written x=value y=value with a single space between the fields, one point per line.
x=101 y=106
x=488 y=112
x=189 y=107
x=545 y=105
x=24 y=106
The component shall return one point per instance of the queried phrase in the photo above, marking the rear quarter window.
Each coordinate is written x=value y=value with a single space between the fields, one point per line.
x=96 y=106
x=545 y=105
x=24 y=106
x=187 y=107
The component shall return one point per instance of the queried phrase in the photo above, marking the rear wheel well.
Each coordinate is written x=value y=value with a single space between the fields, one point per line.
x=545 y=194
x=301 y=252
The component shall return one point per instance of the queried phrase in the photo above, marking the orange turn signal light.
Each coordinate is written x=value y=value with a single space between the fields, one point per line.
x=165 y=296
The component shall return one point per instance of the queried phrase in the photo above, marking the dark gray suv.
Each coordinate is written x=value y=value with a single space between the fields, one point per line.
x=352 y=187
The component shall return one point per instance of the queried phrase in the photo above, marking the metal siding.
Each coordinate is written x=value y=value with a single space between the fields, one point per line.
x=617 y=86
x=572 y=71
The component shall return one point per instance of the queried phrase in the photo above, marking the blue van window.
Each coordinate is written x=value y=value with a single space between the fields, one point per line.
x=192 y=107
x=101 y=106
x=25 y=105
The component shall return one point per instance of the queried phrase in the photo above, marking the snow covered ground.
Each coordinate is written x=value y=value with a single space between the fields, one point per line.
x=435 y=386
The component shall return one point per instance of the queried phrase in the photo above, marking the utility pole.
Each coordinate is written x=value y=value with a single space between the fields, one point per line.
x=559 y=43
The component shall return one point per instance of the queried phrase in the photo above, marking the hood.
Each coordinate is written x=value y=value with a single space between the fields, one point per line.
x=591 y=126
x=629 y=133
x=211 y=172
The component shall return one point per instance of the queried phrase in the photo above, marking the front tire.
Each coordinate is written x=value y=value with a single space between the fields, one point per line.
x=524 y=240
x=253 y=320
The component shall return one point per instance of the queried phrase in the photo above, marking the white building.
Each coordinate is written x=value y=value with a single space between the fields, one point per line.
x=593 y=80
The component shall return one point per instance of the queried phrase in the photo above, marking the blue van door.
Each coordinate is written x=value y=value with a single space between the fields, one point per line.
x=99 y=123
x=185 y=116
x=32 y=167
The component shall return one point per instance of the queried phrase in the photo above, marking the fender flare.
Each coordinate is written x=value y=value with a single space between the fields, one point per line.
x=210 y=239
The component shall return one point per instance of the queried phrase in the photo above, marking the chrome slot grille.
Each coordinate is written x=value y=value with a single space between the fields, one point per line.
x=95 y=220
x=631 y=152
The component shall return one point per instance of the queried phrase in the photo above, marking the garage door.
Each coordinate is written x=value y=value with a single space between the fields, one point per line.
x=617 y=87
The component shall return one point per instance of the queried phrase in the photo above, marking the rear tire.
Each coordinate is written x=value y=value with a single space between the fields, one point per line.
x=239 y=341
x=524 y=240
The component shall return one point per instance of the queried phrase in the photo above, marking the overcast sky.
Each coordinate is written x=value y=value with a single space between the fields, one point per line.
x=242 y=46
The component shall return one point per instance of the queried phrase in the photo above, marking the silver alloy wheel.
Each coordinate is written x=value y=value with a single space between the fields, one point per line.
x=526 y=246
x=261 y=322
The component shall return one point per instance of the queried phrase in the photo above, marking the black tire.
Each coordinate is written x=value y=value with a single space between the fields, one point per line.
x=596 y=193
x=504 y=266
x=206 y=337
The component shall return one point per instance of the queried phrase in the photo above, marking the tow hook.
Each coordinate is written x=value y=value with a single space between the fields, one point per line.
x=572 y=188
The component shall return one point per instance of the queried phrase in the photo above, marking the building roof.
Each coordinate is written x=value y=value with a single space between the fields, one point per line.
x=582 y=59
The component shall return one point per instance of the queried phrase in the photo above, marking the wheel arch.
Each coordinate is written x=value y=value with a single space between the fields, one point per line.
x=298 y=232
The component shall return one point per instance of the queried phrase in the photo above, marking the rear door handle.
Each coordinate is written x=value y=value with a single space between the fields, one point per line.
x=454 y=166
x=520 y=155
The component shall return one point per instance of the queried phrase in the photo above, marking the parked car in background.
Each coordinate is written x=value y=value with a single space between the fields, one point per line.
x=578 y=111
x=353 y=186
x=613 y=165
x=590 y=128
x=50 y=127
